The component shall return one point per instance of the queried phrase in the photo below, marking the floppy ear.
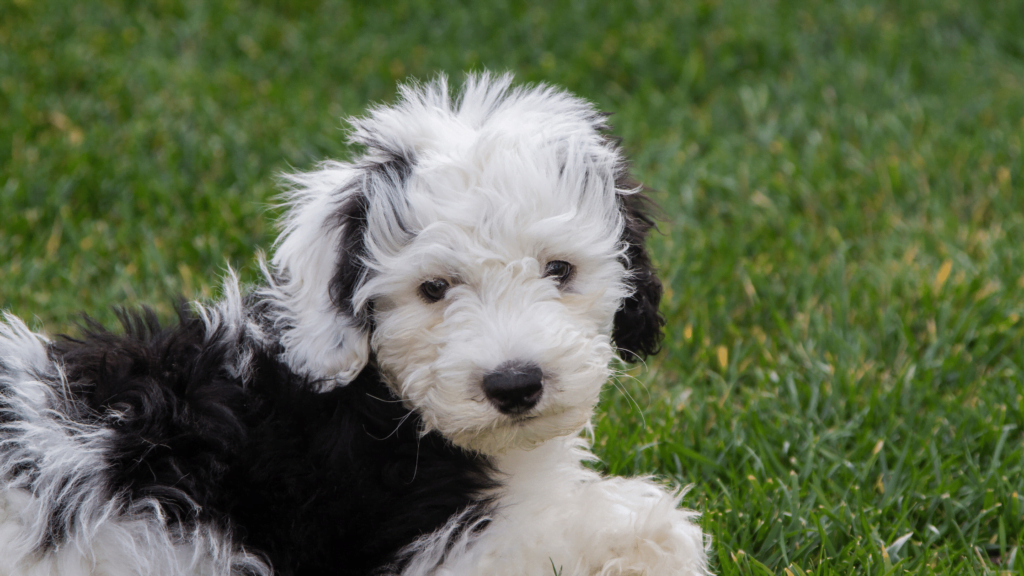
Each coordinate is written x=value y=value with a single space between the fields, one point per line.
x=637 y=326
x=318 y=338
x=320 y=262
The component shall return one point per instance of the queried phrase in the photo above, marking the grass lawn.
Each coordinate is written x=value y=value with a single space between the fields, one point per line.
x=843 y=237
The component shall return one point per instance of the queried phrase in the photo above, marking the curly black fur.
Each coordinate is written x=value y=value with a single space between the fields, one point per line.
x=637 y=328
x=319 y=483
x=387 y=178
x=351 y=268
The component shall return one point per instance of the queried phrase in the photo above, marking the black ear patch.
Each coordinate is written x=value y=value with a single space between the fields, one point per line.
x=350 y=268
x=385 y=179
x=637 y=330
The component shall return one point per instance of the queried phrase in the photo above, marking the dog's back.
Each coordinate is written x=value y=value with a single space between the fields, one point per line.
x=151 y=452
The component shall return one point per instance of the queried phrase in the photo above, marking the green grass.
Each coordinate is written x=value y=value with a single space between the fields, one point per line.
x=843 y=238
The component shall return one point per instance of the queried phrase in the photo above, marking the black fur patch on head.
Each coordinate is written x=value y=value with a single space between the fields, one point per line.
x=638 y=323
x=350 y=271
x=333 y=483
x=350 y=268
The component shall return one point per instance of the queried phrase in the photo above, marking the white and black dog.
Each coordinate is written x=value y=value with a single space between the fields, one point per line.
x=404 y=395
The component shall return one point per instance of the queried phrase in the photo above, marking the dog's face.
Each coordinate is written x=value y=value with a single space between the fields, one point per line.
x=494 y=320
x=485 y=251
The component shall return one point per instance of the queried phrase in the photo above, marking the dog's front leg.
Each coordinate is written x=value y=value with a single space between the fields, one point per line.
x=631 y=526
x=557 y=517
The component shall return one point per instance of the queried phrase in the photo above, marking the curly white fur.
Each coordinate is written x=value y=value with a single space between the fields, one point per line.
x=557 y=517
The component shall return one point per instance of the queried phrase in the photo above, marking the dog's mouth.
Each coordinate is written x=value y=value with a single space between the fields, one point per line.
x=522 y=419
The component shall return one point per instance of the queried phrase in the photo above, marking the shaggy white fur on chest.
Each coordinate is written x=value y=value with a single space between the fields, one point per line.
x=555 y=516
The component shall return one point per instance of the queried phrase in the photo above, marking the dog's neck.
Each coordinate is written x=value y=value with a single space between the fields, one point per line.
x=529 y=474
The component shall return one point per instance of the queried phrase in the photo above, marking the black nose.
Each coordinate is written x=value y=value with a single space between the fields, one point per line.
x=514 y=388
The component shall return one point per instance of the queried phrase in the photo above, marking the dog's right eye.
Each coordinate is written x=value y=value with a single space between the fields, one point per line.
x=559 y=270
x=434 y=290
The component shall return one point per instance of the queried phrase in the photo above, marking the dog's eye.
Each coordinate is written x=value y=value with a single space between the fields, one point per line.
x=559 y=270
x=434 y=290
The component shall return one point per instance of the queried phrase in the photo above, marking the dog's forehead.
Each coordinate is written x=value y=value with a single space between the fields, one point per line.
x=510 y=199
x=529 y=176
x=498 y=174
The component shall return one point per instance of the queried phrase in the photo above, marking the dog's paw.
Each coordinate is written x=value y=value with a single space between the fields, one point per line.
x=648 y=534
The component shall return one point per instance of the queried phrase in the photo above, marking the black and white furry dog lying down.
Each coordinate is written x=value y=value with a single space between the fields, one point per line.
x=405 y=394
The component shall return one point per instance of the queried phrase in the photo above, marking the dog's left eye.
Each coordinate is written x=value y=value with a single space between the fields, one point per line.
x=434 y=290
x=559 y=270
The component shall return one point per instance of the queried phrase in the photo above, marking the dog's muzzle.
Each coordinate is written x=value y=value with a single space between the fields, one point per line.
x=515 y=387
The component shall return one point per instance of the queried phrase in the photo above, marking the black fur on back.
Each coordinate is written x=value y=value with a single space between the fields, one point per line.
x=318 y=483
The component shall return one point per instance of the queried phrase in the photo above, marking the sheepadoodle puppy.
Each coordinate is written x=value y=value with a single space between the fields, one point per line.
x=404 y=394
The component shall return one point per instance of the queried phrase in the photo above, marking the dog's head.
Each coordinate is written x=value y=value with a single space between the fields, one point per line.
x=487 y=249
